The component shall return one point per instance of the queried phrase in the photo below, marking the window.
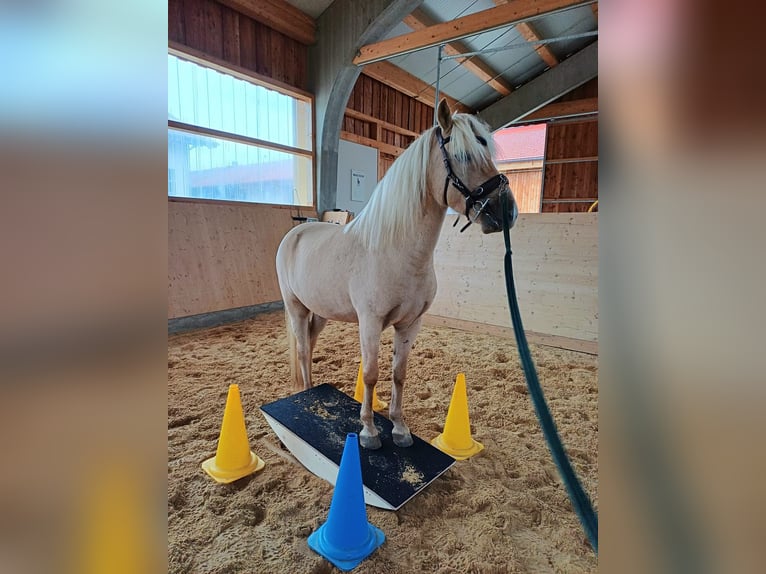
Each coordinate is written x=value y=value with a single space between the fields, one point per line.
x=232 y=139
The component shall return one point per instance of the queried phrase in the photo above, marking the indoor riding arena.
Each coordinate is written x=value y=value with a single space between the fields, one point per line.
x=301 y=118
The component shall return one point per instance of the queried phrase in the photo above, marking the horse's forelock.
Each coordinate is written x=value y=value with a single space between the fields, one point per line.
x=464 y=142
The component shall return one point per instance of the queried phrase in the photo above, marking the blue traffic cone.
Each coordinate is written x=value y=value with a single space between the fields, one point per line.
x=347 y=538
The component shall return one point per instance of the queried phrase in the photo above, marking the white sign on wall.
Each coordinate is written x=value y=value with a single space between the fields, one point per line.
x=358 y=192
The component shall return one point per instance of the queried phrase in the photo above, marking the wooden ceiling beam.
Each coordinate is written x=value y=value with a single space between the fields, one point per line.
x=418 y=20
x=279 y=15
x=531 y=35
x=497 y=17
x=399 y=79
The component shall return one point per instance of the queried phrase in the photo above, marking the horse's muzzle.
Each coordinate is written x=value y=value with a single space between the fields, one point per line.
x=491 y=217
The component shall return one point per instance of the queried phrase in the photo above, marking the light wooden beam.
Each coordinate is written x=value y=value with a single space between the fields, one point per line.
x=563 y=110
x=419 y=20
x=279 y=15
x=497 y=17
x=352 y=113
x=401 y=80
x=544 y=89
x=369 y=142
x=594 y=9
x=531 y=35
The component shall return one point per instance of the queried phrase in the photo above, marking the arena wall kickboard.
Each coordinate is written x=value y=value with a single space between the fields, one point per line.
x=313 y=425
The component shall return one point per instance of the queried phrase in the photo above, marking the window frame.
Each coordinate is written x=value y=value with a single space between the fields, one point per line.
x=207 y=61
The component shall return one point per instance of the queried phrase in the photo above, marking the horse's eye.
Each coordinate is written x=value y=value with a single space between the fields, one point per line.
x=481 y=140
x=463 y=158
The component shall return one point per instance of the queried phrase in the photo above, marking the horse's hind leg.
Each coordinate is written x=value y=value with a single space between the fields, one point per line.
x=301 y=326
x=369 y=339
x=316 y=325
x=404 y=338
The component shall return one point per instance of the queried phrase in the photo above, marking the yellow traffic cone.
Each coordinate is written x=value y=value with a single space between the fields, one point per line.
x=377 y=404
x=234 y=459
x=456 y=439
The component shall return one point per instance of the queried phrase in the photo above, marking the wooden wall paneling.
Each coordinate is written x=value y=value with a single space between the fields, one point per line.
x=231 y=35
x=247 y=49
x=194 y=23
x=526 y=186
x=288 y=53
x=264 y=62
x=279 y=16
x=222 y=256
x=366 y=95
x=176 y=21
x=223 y=34
x=556 y=270
x=398 y=98
x=416 y=120
x=407 y=113
x=568 y=182
x=383 y=101
x=302 y=67
x=376 y=92
x=280 y=52
x=213 y=39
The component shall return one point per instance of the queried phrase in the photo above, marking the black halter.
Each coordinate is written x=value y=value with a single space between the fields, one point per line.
x=471 y=197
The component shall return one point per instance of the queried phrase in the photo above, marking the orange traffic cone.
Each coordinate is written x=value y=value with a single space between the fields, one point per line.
x=456 y=440
x=233 y=459
x=377 y=404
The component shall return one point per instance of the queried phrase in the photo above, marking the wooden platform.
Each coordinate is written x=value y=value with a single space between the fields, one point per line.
x=313 y=425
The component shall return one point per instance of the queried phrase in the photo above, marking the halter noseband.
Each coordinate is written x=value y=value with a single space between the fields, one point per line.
x=471 y=197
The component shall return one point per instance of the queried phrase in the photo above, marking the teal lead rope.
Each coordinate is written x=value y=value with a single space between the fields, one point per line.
x=578 y=497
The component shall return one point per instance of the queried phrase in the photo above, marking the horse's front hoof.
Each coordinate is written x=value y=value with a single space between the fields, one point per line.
x=402 y=440
x=370 y=442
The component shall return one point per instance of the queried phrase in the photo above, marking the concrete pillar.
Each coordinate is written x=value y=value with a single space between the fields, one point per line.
x=342 y=29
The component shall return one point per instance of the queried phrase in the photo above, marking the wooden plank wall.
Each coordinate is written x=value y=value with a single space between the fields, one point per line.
x=221 y=255
x=376 y=100
x=555 y=260
x=231 y=37
x=576 y=183
x=526 y=185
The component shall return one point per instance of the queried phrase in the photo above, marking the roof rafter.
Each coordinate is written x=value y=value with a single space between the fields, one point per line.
x=530 y=35
x=513 y=12
x=419 y=20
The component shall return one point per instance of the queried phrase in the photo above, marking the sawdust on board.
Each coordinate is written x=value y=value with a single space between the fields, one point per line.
x=503 y=510
x=412 y=476
x=318 y=409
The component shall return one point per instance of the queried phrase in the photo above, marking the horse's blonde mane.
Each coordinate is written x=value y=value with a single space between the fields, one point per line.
x=399 y=198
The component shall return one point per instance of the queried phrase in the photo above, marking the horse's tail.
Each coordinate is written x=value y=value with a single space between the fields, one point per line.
x=295 y=371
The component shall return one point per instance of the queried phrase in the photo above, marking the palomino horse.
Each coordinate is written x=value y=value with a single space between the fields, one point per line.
x=378 y=270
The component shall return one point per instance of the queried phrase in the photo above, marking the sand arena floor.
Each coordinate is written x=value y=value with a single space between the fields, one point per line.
x=504 y=510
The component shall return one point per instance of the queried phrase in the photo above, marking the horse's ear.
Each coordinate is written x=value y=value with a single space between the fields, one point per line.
x=444 y=117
